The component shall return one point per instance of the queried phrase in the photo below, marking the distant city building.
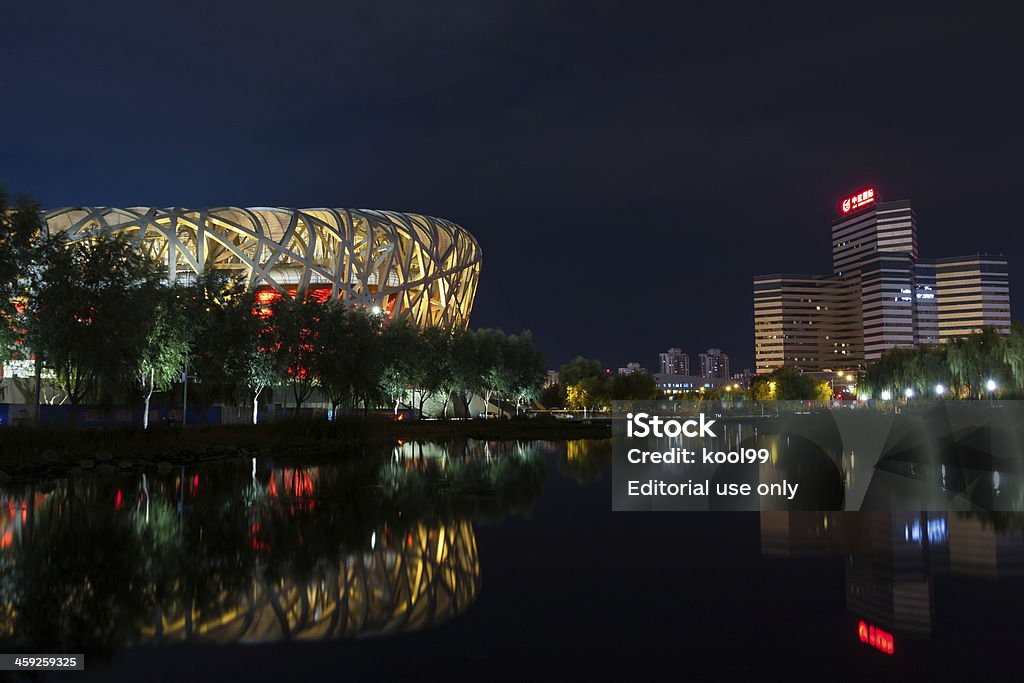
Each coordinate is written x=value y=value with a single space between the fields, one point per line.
x=683 y=385
x=714 y=365
x=879 y=296
x=631 y=368
x=674 y=362
x=744 y=379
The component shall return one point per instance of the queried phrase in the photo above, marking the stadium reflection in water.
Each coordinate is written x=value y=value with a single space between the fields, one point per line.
x=371 y=545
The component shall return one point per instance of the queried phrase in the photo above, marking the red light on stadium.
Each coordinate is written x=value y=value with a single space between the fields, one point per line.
x=858 y=201
x=875 y=637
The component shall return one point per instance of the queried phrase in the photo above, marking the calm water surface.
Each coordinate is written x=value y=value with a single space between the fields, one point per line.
x=486 y=560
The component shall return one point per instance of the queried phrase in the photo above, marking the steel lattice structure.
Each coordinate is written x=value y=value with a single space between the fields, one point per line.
x=406 y=264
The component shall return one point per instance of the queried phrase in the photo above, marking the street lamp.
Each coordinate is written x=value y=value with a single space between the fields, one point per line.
x=939 y=390
x=909 y=393
x=886 y=395
x=991 y=386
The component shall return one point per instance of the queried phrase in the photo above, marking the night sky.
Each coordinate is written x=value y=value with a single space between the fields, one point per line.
x=627 y=167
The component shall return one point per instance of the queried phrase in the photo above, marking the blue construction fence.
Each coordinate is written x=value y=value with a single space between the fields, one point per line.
x=91 y=416
x=14 y=414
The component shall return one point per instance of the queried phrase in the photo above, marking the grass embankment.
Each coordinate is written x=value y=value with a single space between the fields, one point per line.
x=28 y=453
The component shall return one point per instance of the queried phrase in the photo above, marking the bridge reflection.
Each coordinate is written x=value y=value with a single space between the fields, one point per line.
x=893 y=558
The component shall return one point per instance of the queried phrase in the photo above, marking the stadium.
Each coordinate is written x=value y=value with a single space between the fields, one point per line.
x=401 y=264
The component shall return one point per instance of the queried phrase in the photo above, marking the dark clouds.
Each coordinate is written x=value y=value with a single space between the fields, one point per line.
x=627 y=167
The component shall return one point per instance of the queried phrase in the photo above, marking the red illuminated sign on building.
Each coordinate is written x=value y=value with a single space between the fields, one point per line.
x=859 y=200
x=876 y=637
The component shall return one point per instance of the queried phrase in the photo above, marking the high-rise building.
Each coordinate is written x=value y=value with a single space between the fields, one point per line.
x=674 y=362
x=810 y=322
x=631 y=368
x=886 y=303
x=926 y=328
x=879 y=297
x=872 y=228
x=876 y=242
x=714 y=365
x=973 y=292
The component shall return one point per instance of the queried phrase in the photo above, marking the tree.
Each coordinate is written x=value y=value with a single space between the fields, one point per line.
x=524 y=368
x=963 y=365
x=398 y=350
x=349 y=362
x=430 y=372
x=20 y=234
x=261 y=367
x=292 y=337
x=976 y=359
x=467 y=367
x=491 y=349
x=586 y=383
x=579 y=368
x=553 y=396
x=163 y=347
x=76 y=316
x=788 y=384
x=636 y=386
x=1013 y=354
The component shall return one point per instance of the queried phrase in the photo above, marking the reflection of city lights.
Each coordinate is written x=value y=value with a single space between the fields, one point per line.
x=935 y=531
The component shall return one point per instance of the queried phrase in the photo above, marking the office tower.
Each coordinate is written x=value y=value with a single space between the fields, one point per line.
x=864 y=232
x=810 y=322
x=972 y=292
x=714 y=364
x=887 y=304
x=926 y=327
x=877 y=242
x=674 y=362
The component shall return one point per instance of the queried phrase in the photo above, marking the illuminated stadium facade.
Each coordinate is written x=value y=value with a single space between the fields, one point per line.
x=398 y=263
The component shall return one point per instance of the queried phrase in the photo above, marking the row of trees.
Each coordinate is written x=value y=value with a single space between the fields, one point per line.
x=584 y=384
x=787 y=384
x=100 y=316
x=359 y=358
x=963 y=367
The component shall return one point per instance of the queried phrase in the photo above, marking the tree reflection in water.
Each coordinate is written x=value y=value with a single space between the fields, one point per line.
x=371 y=544
x=586 y=460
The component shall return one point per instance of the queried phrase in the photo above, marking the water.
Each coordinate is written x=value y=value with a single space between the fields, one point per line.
x=488 y=560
